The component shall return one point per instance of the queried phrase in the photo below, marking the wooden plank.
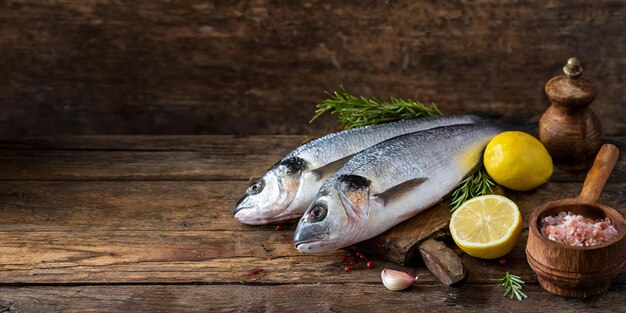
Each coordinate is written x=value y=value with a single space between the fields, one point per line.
x=167 y=257
x=200 y=257
x=177 y=206
x=102 y=67
x=116 y=165
x=295 y=298
x=214 y=144
x=104 y=232
x=141 y=157
x=112 y=206
x=138 y=158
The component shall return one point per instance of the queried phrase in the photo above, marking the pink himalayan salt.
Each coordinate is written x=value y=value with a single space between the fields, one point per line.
x=576 y=230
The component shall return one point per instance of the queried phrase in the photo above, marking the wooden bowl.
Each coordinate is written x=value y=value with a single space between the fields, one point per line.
x=579 y=271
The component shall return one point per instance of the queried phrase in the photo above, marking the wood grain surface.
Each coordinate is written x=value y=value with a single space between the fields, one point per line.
x=115 y=236
x=258 y=67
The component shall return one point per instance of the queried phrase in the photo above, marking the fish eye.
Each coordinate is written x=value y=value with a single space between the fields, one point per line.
x=256 y=187
x=317 y=213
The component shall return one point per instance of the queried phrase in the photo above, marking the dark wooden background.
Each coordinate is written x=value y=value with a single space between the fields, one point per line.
x=258 y=67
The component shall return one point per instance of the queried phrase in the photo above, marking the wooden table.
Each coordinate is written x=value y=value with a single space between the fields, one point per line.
x=143 y=223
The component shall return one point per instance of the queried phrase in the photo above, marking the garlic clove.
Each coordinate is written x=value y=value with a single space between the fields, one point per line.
x=396 y=280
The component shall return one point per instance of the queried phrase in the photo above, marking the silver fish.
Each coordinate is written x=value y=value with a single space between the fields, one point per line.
x=389 y=183
x=287 y=189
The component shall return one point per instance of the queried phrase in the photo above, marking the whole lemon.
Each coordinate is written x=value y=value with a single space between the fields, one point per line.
x=518 y=161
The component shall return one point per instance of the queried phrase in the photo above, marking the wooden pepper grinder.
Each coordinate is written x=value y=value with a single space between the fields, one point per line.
x=569 y=129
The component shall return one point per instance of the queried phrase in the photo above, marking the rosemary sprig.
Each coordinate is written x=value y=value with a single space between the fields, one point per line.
x=477 y=184
x=512 y=285
x=359 y=111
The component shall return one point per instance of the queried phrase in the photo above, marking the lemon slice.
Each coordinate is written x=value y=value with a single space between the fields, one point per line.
x=486 y=227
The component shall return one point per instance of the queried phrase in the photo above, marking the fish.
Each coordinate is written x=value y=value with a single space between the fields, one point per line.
x=285 y=191
x=389 y=183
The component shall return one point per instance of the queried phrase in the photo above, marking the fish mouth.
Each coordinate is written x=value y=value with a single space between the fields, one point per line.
x=238 y=205
x=246 y=215
x=300 y=243
x=238 y=209
x=242 y=214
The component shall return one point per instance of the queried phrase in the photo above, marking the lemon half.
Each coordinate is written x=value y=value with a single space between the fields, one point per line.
x=486 y=227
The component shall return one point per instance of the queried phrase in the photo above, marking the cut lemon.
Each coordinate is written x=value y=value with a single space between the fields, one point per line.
x=486 y=227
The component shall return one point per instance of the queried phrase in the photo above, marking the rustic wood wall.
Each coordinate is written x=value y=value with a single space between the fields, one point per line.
x=244 y=67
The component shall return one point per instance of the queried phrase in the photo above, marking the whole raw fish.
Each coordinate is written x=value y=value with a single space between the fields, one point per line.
x=389 y=183
x=288 y=187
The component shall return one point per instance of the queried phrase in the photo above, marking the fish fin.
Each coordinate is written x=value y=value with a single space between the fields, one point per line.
x=330 y=168
x=398 y=190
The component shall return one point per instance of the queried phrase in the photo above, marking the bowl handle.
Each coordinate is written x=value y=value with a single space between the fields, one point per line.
x=599 y=174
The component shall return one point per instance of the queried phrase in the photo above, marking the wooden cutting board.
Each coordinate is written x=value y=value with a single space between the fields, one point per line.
x=401 y=243
x=414 y=237
x=417 y=237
